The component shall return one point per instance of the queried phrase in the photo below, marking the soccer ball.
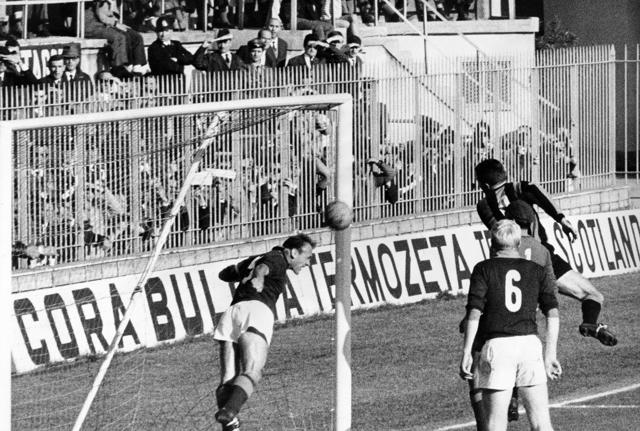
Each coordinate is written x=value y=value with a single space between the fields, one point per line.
x=338 y=215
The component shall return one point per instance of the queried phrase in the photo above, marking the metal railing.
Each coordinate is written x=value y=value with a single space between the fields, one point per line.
x=628 y=102
x=96 y=193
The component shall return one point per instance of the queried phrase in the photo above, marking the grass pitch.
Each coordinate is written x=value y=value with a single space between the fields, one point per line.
x=405 y=362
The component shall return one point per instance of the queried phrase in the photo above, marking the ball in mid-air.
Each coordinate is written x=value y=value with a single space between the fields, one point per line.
x=338 y=215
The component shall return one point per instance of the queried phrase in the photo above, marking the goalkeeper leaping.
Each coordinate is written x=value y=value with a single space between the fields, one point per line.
x=246 y=327
x=498 y=193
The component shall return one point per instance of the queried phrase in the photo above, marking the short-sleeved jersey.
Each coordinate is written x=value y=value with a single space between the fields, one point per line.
x=531 y=249
x=274 y=282
x=508 y=291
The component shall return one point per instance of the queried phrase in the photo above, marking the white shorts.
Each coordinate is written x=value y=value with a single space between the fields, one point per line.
x=245 y=316
x=510 y=361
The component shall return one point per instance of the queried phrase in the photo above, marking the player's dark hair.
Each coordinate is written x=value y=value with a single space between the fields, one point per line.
x=298 y=241
x=53 y=58
x=490 y=172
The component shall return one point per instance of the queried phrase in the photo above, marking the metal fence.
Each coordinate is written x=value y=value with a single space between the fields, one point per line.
x=628 y=104
x=101 y=191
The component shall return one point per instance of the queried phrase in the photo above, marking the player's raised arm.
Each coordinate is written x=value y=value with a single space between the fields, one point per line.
x=540 y=197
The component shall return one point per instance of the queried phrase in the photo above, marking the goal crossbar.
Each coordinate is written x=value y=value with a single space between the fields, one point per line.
x=342 y=103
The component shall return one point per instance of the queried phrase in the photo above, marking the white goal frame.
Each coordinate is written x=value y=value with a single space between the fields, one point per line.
x=341 y=103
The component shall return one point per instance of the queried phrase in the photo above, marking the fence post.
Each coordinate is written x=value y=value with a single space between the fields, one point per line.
x=612 y=115
x=458 y=173
x=535 y=125
x=574 y=117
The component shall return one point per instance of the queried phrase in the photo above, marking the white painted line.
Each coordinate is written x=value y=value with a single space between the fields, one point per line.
x=564 y=404
x=458 y=426
x=597 y=406
x=598 y=395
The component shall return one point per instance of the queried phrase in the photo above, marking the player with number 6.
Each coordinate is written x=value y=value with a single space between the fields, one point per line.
x=504 y=294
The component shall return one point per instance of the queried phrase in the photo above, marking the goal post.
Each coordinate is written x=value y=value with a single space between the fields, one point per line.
x=341 y=104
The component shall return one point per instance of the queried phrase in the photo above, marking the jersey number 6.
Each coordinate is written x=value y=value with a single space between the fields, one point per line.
x=512 y=294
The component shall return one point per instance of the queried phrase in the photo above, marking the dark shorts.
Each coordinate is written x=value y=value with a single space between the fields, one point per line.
x=560 y=266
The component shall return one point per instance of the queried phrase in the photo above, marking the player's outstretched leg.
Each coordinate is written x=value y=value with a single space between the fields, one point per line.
x=575 y=285
x=512 y=413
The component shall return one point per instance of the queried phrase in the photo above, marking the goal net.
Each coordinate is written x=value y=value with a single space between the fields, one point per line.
x=102 y=203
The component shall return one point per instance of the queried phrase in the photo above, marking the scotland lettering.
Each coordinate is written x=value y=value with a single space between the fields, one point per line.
x=67 y=322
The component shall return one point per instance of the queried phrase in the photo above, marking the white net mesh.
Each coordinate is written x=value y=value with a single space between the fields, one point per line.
x=99 y=194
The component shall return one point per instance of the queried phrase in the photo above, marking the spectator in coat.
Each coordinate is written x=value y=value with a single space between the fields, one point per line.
x=309 y=58
x=102 y=22
x=334 y=52
x=166 y=56
x=56 y=71
x=12 y=71
x=267 y=57
x=73 y=73
x=222 y=60
x=277 y=46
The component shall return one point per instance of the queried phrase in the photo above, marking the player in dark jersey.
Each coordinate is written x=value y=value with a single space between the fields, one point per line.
x=504 y=294
x=244 y=330
x=498 y=193
x=530 y=249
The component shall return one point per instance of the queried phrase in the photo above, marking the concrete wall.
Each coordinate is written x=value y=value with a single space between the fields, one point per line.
x=582 y=203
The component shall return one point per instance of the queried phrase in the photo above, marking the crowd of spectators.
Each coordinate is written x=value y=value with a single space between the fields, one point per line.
x=142 y=15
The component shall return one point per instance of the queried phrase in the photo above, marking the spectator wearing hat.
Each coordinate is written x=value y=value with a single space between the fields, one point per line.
x=166 y=56
x=267 y=59
x=309 y=58
x=17 y=73
x=334 y=51
x=277 y=46
x=209 y=60
x=353 y=50
x=56 y=71
x=256 y=54
x=102 y=22
x=73 y=73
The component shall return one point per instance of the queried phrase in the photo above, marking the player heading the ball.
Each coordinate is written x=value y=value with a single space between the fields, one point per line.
x=246 y=327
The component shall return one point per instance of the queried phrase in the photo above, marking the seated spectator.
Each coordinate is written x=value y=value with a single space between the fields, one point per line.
x=244 y=52
x=207 y=59
x=310 y=17
x=277 y=46
x=220 y=14
x=56 y=71
x=102 y=22
x=4 y=27
x=73 y=73
x=177 y=9
x=16 y=28
x=309 y=58
x=166 y=56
